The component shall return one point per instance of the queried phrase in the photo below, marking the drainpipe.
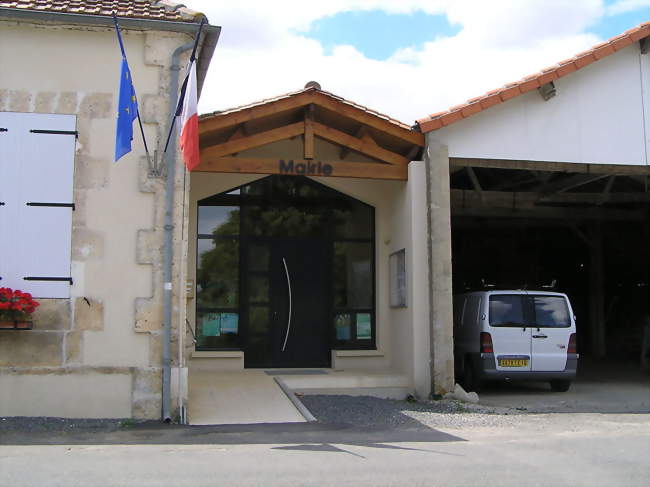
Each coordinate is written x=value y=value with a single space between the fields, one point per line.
x=170 y=163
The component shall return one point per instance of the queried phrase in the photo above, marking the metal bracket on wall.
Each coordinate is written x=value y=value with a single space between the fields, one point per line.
x=53 y=205
x=155 y=168
x=35 y=278
x=55 y=132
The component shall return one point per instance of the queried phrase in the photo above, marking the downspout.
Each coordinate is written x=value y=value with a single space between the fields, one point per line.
x=170 y=163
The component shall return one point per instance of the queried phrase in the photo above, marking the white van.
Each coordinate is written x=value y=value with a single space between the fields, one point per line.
x=527 y=335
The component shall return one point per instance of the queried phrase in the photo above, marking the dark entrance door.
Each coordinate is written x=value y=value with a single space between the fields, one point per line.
x=292 y=330
x=285 y=272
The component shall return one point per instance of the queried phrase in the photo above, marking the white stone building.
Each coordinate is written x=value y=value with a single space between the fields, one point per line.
x=96 y=347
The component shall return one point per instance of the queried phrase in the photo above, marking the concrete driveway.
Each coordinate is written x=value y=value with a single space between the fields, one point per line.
x=601 y=387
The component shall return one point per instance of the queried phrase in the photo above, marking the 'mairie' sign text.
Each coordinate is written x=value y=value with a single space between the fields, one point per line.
x=305 y=167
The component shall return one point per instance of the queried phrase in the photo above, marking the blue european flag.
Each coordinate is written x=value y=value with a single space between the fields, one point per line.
x=127 y=112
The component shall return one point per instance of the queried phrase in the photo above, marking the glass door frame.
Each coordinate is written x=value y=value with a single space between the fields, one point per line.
x=240 y=200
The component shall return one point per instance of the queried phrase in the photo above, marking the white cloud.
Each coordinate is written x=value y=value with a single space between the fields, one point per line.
x=625 y=6
x=262 y=52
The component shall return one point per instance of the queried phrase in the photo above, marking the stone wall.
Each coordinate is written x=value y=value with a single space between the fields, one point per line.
x=99 y=353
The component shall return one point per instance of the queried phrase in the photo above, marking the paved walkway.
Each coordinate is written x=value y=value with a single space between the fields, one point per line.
x=242 y=397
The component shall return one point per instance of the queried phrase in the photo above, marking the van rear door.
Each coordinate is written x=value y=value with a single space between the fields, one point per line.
x=551 y=329
x=511 y=337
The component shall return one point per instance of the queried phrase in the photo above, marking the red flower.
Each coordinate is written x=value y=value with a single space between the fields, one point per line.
x=16 y=305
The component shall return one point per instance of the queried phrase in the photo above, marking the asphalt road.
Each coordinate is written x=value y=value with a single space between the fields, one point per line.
x=561 y=449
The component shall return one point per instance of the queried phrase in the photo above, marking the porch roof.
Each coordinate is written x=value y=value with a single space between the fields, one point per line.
x=385 y=144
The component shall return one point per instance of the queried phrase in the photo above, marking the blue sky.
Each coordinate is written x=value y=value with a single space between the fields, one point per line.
x=404 y=58
x=378 y=34
x=615 y=24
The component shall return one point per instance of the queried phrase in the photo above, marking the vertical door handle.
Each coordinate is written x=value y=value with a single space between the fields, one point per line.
x=286 y=336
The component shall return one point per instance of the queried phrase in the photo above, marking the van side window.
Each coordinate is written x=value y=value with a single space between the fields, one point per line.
x=551 y=312
x=507 y=310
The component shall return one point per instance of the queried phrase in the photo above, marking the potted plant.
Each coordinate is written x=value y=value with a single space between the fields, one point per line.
x=16 y=308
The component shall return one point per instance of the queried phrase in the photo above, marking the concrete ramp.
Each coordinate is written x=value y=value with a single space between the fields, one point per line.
x=241 y=397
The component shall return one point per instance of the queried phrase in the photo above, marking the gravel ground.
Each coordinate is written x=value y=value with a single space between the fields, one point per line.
x=363 y=412
x=64 y=425
x=375 y=413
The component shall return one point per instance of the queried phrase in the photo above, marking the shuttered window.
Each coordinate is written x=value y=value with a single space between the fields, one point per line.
x=36 y=202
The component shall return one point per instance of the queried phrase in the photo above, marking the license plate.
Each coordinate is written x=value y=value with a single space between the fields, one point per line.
x=511 y=362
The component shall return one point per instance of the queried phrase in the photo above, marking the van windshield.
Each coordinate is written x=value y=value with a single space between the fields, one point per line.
x=507 y=310
x=551 y=312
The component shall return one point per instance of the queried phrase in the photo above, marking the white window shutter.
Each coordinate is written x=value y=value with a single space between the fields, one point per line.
x=40 y=168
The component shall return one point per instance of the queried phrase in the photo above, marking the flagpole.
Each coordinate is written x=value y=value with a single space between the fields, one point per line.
x=181 y=96
x=144 y=139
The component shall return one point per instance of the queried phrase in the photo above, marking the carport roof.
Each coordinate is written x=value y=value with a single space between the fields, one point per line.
x=438 y=120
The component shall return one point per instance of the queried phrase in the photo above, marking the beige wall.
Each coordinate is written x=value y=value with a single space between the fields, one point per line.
x=400 y=217
x=98 y=353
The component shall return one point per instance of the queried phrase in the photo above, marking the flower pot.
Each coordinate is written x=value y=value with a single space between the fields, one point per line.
x=16 y=325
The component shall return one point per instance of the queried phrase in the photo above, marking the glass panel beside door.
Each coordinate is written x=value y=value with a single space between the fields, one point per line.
x=285 y=272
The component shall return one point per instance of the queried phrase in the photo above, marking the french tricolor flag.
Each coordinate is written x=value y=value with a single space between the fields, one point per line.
x=189 y=121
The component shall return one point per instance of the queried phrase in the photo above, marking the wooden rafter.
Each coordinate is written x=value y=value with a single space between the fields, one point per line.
x=346 y=150
x=248 y=165
x=475 y=182
x=308 y=142
x=368 y=119
x=568 y=183
x=387 y=146
x=239 y=133
x=552 y=166
x=363 y=146
x=530 y=199
x=213 y=124
x=252 y=141
x=413 y=153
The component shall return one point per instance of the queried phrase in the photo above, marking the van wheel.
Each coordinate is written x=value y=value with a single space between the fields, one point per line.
x=471 y=381
x=560 y=385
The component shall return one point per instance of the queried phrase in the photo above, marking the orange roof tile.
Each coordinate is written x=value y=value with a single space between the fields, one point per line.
x=512 y=90
x=132 y=9
x=305 y=90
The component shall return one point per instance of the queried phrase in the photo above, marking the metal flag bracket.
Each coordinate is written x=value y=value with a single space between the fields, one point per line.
x=154 y=167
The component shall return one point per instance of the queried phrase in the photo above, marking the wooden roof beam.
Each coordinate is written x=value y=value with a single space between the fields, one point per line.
x=369 y=148
x=239 y=133
x=219 y=122
x=308 y=136
x=368 y=118
x=359 y=135
x=305 y=167
x=567 y=167
x=568 y=183
x=252 y=141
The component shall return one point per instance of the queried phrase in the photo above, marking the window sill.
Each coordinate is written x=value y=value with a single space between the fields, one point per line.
x=217 y=354
x=359 y=353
